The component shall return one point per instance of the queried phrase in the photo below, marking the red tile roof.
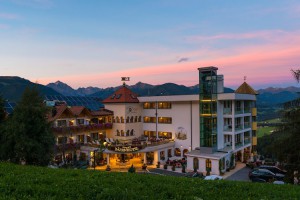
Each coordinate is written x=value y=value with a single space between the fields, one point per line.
x=102 y=112
x=122 y=95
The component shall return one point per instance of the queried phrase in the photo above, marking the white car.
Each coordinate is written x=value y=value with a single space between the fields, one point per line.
x=213 y=177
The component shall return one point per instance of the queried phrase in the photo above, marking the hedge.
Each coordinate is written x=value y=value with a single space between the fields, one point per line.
x=30 y=182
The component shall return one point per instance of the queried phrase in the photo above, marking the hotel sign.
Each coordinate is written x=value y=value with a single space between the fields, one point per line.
x=126 y=149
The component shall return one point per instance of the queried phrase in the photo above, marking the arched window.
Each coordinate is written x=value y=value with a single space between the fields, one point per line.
x=196 y=163
x=185 y=151
x=135 y=119
x=140 y=119
x=122 y=133
x=127 y=120
x=131 y=132
x=118 y=132
x=208 y=164
x=127 y=133
x=122 y=119
x=117 y=120
x=177 y=152
x=131 y=119
x=113 y=120
x=162 y=155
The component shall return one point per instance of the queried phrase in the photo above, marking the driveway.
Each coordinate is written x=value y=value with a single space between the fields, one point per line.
x=240 y=175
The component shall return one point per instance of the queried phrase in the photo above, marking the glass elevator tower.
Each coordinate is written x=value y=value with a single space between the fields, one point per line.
x=208 y=84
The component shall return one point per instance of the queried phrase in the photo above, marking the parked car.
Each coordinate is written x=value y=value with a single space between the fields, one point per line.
x=258 y=180
x=213 y=177
x=273 y=169
x=194 y=175
x=279 y=182
x=265 y=174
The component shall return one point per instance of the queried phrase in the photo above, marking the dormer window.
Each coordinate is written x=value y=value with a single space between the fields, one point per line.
x=118 y=96
x=113 y=96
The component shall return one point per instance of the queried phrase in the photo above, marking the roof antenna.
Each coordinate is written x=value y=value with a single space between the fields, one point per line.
x=245 y=77
x=125 y=79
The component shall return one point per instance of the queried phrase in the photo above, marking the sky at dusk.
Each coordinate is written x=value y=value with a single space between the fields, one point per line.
x=95 y=42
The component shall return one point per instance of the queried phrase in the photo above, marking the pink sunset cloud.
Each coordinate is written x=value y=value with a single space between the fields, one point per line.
x=262 y=64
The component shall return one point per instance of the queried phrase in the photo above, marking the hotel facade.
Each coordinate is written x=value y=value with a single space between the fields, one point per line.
x=210 y=130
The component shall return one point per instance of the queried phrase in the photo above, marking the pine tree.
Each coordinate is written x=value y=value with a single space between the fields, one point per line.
x=28 y=137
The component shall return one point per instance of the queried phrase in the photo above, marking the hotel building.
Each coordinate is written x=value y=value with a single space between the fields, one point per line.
x=211 y=130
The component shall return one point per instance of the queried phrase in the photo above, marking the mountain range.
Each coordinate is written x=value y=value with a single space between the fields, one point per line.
x=11 y=88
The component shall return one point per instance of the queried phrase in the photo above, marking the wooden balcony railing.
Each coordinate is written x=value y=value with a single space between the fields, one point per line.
x=82 y=128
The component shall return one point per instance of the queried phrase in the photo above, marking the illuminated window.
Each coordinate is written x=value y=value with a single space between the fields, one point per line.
x=208 y=164
x=165 y=120
x=122 y=119
x=164 y=105
x=149 y=105
x=118 y=132
x=185 y=151
x=149 y=119
x=177 y=152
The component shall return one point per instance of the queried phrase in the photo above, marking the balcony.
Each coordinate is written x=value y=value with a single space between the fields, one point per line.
x=67 y=147
x=238 y=127
x=238 y=145
x=227 y=111
x=238 y=111
x=247 y=125
x=228 y=128
x=82 y=128
x=247 y=140
x=247 y=110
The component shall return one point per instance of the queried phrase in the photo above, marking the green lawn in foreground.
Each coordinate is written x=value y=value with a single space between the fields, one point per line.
x=27 y=182
x=265 y=130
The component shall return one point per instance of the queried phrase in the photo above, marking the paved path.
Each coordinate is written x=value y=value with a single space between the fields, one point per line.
x=166 y=172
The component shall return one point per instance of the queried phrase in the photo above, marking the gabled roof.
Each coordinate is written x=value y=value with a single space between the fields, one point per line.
x=77 y=110
x=102 y=112
x=57 y=111
x=122 y=95
x=246 y=89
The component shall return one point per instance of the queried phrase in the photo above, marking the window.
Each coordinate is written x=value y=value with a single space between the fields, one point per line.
x=131 y=119
x=169 y=153
x=177 y=152
x=165 y=120
x=61 y=123
x=127 y=133
x=62 y=140
x=95 y=136
x=113 y=96
x=164 y=105
x=80 y=121
x=122 y=133
x=140 y=119
x=208 y=164
x=149 y=119
x=122 y=119
x=162 y=155
x=196 y=163
x=118 y=96
x=131 y=132
x=127 y=120
x=117 y=120
x=135 y=119
x=166 y=135
x=80 y=138
x=185 y=151
x=118 y=132
x=149 y=105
